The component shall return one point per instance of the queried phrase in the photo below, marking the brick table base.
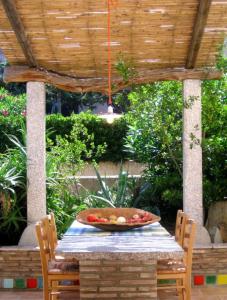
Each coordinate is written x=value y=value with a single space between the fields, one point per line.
x=118 y=279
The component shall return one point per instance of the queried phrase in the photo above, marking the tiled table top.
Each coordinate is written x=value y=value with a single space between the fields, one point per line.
x=148 y=242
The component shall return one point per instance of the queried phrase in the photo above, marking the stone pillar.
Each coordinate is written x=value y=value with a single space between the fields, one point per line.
x=36 y=161
x=192 y=151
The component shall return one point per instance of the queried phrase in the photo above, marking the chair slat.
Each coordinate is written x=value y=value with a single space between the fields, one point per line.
x=183 y=279
x=52 y=282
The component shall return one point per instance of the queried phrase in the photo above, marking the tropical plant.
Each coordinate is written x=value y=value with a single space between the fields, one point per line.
x=118 y=195
x=63 y=201
x=13 y=190
x=9 y=180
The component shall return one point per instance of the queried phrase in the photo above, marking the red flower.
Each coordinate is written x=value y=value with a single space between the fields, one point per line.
x=24 y=113
x=5 y=113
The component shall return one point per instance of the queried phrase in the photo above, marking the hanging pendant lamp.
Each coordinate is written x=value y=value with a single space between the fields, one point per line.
x=110 y=116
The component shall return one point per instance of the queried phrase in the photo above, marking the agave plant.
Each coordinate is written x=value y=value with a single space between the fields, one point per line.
x=12 y=186
x=119 y=195
x=9 y=180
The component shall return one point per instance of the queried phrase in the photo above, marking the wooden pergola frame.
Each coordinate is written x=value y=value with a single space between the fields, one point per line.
x=186 y=54
x=80 y=85
x=33 y=71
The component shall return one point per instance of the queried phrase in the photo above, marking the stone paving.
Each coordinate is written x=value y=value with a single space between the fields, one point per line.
x=215 y=293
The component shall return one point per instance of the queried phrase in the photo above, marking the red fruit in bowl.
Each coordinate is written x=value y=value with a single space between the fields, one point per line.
x=136 y=217
x=146 y=218
x=130 y=221
x=102 y=220
x=92 y=218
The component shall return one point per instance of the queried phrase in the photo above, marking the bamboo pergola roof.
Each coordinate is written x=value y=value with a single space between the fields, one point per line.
x=64 y=42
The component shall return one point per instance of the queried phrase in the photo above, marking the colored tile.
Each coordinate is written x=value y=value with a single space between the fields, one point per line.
x=19 y=283
x=40 y=282
x=32 y=283
x=77 y=282
x=166 y=281
x=198 y=280
x=221 y=279
x=67 y=282
x=211 y=279
x=7 y=283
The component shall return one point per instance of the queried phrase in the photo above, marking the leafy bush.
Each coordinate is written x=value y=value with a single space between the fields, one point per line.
x=12 y=115
x=64 y=159
x=63 y=201
x=12 y=192
x=60 y=198
x=112 y=135
x=12 y=105
x=155 y=138
x=215 y=140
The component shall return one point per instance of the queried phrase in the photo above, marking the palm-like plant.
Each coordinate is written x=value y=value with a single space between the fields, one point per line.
x=120 y=195
x=12 y=186
x=9 y=179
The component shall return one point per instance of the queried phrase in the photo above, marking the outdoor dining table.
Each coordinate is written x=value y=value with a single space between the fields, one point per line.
x=118 y=265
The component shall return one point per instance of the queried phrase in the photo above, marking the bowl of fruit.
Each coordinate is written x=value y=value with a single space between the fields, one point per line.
x=116 y=219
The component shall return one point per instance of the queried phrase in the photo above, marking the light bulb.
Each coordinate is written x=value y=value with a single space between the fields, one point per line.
x=110 y=109
x=110 y=119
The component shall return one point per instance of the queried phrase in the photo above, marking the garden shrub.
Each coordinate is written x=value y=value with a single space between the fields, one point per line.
x=12 y=115
x=12 y=193
x=57 y=125
x=110 y=134
x=12 y=105
x=13 y=112
x=155 y=138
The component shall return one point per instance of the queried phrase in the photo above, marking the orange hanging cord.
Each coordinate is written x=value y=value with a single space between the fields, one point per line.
x=109 y=54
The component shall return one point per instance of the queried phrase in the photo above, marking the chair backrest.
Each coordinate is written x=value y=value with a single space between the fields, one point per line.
x=44 y=245
x=180 y=226
x=188 y=242
x=52 y=234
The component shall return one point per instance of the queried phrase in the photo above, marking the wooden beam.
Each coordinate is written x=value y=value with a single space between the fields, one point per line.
x=199 y=26
x=18 y=27
x=73 y=84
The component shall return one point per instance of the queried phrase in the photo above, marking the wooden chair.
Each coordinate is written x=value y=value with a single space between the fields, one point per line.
x=53 y=238
x=180 y=226
x=54 y=272
x=180 y=270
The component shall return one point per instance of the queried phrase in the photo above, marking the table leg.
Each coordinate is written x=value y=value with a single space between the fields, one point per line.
x=118 y=279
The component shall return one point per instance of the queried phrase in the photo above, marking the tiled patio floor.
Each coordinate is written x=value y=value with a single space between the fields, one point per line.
x=197 y=294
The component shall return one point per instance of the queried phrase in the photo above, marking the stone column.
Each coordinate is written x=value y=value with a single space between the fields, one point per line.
x=36 y=160
x=192 y=151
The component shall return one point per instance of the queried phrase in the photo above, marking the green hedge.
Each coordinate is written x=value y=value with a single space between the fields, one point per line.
x=111 y=134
